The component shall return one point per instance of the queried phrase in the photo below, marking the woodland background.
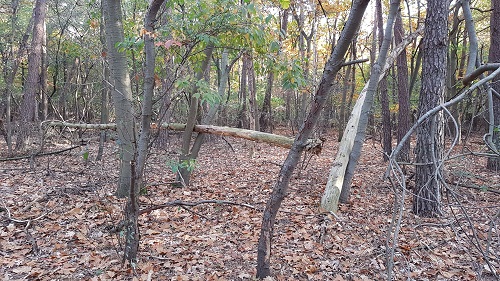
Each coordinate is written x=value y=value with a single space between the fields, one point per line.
x=234 y=140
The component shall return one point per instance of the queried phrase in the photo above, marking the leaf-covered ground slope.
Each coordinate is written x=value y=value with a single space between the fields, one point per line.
x=59 y=220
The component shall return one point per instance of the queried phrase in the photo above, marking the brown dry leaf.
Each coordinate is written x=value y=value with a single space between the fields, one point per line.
x=22 y=269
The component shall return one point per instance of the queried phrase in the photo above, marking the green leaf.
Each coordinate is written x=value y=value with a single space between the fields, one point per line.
x=85 y=155
x=268 y=19
x=285 y=4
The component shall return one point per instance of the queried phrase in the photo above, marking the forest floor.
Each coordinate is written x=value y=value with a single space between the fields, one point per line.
x=58 y=215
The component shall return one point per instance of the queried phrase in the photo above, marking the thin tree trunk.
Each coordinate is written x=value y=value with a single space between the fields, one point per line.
x=28 y=106
x=252 y=96
x=403 y=93
x=384 y=97
x=105 y=92
x=11 y=70
x=185 y=157
x=132 y=207
x=280 y=188
x=244 y=119
x=345 y=89
x=43 y=77
x=208 y=118
x=494 y=56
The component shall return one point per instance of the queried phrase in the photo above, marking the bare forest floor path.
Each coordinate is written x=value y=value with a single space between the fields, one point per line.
x=57 y=219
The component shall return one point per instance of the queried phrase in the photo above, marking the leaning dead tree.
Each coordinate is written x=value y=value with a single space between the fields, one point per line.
x=338 y=185
x=312 y=145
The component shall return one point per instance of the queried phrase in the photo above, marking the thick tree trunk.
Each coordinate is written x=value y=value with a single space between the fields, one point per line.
x=280 y=188
x=494 y=56
x=429 y=146
x=122 y=94
x=28 y=106
x=342 y=171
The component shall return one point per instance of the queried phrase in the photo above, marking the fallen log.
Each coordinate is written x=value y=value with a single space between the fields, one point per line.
x=312 y=145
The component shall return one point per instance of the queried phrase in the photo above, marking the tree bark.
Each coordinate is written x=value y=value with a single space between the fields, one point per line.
x=494 y=57
x=429 y=146
x=122 y=94
x=384 y=97
x=131 y=212
x=10 y=71
x=28 y=106
x=208 y=118
x=266 y=115
x=243 y=115
x=339 y=180
x=402 y=88
x=280 y=188
x=105 y=92
x=44 y=97
x=184 y=173
x=277 y=140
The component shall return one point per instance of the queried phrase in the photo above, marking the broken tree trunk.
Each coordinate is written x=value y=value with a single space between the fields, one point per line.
x=312 y=145
x=337 y=178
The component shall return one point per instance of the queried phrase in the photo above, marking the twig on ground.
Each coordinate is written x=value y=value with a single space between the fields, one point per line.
x=193 y=204
x=28 y=223
x=37 y=154
x=196 y=213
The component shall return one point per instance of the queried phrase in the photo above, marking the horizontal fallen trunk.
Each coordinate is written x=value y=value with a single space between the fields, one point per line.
x=312 y=145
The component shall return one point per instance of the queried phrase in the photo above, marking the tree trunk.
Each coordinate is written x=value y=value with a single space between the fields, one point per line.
x=132 y=207
x=207 y=119
x=10 y=71
x=494 y=56
x=167 y=82
x=122 y=94
x=28 y=106
x=451 y=78
x=384 y=97
x=402 y=89
x=184 y=174
x=266 y=116
x=345 y=89
x=313 y=145
x=280 y=188
x=252 y=95
x=44 y=97
x=105 y=92
x=429 y=146
x=339 y=180
x=244 y=118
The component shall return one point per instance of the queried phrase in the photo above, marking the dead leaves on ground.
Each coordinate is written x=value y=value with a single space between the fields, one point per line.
x=76 y=237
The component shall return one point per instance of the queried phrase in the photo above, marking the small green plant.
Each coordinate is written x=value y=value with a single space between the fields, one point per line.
x=188 y=164
x=143 y=190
